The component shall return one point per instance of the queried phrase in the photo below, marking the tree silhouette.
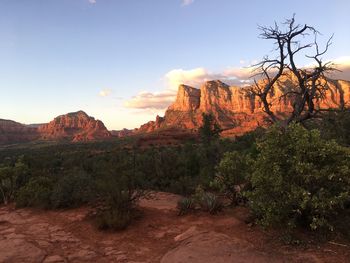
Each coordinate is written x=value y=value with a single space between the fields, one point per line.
x=210 y=129
x=310 y=84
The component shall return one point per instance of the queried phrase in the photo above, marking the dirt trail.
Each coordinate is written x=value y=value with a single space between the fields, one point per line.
x=28 y=235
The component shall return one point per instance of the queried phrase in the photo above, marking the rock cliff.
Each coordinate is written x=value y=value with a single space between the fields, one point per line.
x=234 y=108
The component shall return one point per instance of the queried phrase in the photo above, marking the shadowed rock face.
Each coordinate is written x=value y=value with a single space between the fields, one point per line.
x=75 y=126
x=14 y=132
x=235 y=110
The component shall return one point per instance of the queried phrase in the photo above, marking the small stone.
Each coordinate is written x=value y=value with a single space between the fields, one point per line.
x=121 y=258
x=54 y=259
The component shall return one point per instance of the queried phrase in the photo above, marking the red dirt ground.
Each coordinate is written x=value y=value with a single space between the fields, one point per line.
x=28 y=235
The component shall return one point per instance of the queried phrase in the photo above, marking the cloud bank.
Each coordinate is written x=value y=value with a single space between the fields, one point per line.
x=151 y=101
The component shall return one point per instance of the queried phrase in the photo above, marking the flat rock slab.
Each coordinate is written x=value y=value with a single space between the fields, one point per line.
x=213 y=247
x=19 y=250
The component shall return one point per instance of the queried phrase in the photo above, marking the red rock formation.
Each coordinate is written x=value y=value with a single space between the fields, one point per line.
x=75 y=127
x=235 y=110
x=14 y=132
x=121 y=133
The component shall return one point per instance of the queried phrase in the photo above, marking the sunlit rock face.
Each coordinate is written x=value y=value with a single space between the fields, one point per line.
x=75 y=127
x=235 y=109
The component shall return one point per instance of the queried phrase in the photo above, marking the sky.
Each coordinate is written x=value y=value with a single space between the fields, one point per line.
x=122 y=60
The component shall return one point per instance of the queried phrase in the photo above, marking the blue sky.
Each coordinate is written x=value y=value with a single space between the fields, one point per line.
x=108 y=57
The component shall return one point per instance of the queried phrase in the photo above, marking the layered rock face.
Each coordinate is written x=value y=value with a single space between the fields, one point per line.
x=76 y=127
x=14 y=132
x=235 y=109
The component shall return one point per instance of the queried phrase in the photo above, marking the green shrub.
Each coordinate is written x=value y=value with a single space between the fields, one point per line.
x=185 y=205
x=119 y=195
x=210 y=203
x=207 y=201
x=36 y=193
x=113 y=219
x=299 y=178
x=232 y=173
x=334 y=125
x=72 y=190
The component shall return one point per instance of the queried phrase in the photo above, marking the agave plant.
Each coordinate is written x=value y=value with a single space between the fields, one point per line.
x=185 y=205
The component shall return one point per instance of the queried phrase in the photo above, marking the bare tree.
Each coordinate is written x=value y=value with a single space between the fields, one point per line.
x=310 y=84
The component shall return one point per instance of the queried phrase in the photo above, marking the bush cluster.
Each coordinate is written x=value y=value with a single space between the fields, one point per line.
x=299 y=178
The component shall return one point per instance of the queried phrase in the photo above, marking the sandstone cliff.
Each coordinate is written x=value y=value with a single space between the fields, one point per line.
x=75 y=126
x=234 y=108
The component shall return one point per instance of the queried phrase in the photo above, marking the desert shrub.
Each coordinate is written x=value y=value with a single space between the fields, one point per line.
x=210 y=203
x=114 y=219
x=335 y=125
x=36 y=193
x=7 y=184
x=186 y=205
x=12 y=177
x=73 y=189
x=299 y=178
x=119 y=195
x=232 y=173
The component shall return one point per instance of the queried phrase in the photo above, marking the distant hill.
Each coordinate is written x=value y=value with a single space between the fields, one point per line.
x=74 y=127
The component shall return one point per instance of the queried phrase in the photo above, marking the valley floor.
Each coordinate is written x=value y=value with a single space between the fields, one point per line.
x=160 y=235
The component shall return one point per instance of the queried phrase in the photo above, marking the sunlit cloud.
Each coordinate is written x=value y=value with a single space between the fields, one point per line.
x=196 y=77
x=186 y=2
x=92 y=1
x=151 y=101
x=343 y=65
x=105 y=92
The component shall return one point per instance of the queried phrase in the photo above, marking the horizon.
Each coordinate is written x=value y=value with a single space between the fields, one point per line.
x=64 y=56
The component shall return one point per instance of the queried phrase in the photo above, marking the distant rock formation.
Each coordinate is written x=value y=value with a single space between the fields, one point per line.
x=234 y=108
x=75 y=127
x=72 y=127
x=14 y=132
x=121 y=133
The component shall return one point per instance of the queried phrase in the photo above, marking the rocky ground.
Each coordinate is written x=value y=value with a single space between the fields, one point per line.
x=160 y=235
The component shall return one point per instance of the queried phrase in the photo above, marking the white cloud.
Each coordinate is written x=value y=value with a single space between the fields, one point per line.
x=186 y=2
x=195 y=77
x=105 y=92
x=151 y=101
x=92 y=1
